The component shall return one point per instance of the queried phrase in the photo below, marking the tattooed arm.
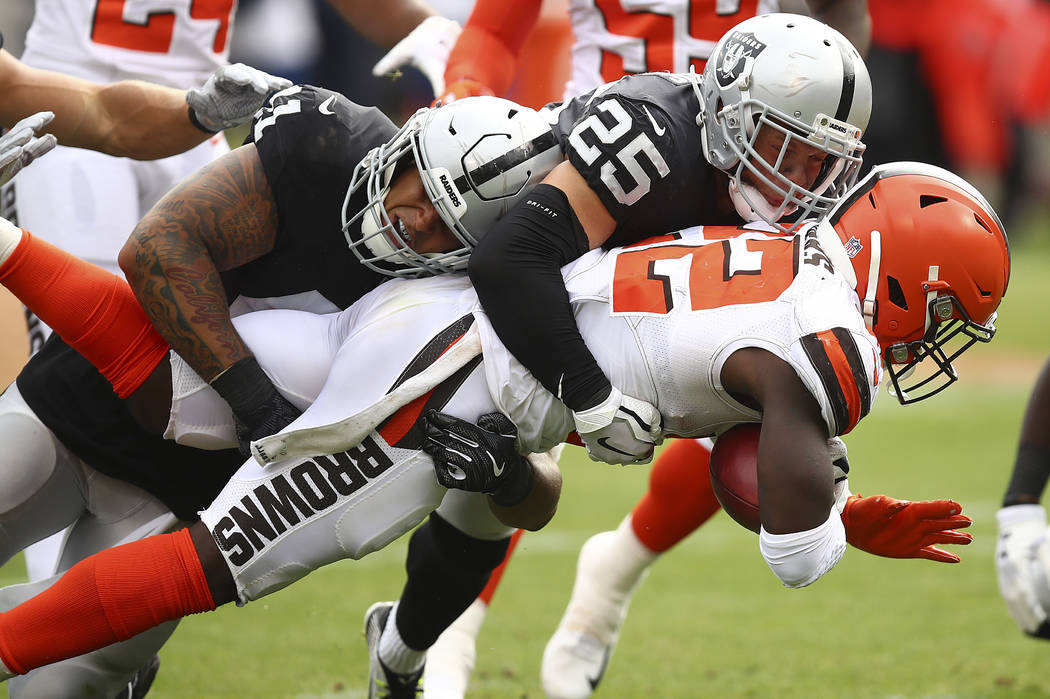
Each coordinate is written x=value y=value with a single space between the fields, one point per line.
x=222 y=217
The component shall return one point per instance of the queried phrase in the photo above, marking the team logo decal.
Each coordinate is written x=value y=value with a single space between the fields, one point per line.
x=853 y=247
x=739 y=46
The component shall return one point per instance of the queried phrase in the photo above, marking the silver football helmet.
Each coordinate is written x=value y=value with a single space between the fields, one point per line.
x=476 y=157
x=801 y=78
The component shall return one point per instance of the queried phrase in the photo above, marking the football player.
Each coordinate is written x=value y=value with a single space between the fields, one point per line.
x=623 y=185
x=905 y=274
x=87 y=201
x=611 y=40
x=1022 y=554
x=270 y=215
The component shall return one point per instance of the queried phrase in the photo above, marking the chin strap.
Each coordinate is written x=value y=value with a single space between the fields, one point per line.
x=868 y=306
x=694 y=82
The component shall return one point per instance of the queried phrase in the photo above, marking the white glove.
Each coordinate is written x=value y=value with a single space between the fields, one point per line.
x=232 y=95
x=839 y=471
x=427 y=48
x=21 y=145
x=620 y=430
x=1021 y=529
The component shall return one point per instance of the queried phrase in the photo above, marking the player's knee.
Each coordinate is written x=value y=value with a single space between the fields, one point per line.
x=437 y=542
x=27 y=459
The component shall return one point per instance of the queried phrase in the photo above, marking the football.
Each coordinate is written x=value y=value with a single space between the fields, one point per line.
x=734 y=474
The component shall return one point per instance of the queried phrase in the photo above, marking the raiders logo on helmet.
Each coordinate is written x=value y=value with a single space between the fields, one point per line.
x=738 y=47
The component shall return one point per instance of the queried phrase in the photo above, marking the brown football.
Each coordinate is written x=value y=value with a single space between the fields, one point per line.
x=734 y=474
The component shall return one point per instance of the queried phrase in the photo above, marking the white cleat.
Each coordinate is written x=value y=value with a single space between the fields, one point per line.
x=610 y=567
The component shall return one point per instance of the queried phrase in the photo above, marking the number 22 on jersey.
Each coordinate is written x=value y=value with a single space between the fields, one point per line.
x=149 y=25
x=705 y=275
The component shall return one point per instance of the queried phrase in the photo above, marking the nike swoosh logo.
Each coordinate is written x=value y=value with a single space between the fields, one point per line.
x=604 y=441
x=660 y=130
x=593 y=681
x=326 y=106
x=497 y=469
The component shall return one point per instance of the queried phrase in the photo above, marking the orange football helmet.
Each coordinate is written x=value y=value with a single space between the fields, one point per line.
x=931 y=264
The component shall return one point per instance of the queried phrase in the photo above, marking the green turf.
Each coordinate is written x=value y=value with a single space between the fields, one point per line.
x=711 y=621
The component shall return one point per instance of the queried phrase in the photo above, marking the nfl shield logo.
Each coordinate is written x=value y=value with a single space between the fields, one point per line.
x=853 y=247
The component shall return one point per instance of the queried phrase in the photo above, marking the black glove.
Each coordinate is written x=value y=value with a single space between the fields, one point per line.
x=481 y=458
x=258 y=408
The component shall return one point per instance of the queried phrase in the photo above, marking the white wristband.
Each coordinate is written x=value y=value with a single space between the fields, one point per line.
x=800 y=558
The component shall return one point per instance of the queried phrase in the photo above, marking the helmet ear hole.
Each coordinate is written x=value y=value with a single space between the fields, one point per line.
x=896 y=293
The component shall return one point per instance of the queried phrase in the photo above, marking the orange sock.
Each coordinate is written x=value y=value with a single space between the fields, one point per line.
x=107 y=597
x=679 y=499
x=497 y=575
x=91 y=309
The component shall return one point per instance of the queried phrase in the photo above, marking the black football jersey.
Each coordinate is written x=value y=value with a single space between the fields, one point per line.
x=309 y=140
x=637 y=144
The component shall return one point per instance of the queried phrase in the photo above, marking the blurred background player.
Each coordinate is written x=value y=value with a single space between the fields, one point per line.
x=1022 y=554
x=609 y=40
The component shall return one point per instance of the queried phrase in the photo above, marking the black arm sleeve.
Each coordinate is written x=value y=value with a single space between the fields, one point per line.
x=516 y=270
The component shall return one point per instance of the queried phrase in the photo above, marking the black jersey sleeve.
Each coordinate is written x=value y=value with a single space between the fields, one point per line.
x=309 y=140
x=516 y=271
x=637 y=145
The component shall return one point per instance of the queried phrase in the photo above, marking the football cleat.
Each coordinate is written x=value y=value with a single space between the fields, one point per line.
x=384 y=683
x=139 y=685
x=576 y=656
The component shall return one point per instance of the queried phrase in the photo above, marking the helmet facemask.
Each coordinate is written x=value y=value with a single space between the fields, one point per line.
x=838 y=140
x=475 y=157
x=800 y=79
x=923 y=368
x=381 y=245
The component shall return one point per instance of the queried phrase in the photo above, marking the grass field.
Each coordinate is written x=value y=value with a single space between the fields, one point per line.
x=711 y=621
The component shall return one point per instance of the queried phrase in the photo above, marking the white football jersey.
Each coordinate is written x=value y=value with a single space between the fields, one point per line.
x=173 y=42
x=663 y=316
x=613 y=38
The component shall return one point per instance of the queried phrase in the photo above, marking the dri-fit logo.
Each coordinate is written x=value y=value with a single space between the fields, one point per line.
x=294 y=496
x=450 y=190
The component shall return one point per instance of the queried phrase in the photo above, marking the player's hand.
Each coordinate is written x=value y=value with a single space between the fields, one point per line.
x=259 y=410
x=895 y=528
x=1022 y=530
x=620 y=430
x=426 y=47
x=481 y=458
x=464 y=87
x=232 y=95
x=21 y=145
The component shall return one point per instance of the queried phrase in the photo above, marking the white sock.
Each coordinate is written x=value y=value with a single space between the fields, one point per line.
x=633 y=557
x=393 y=651
x=10 y=237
